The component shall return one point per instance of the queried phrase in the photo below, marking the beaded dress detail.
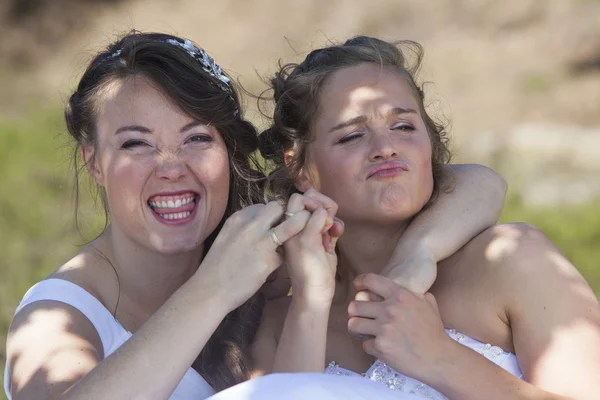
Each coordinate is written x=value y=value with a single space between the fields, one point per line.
x=383 y=374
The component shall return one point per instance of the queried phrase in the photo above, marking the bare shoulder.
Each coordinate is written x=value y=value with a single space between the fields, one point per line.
x=92 y=271
x=50 y=336
x=507 y=249
x=513 y=263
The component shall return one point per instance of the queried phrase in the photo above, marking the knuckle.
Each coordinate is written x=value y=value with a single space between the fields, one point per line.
x=387 y=330
x=353 y=324
x=352 y=308
x=391 y=311
x=334 y=207
x=401 y=295
x=380 y=344
x=274 y=206
x=369 y=278
x=294 y=198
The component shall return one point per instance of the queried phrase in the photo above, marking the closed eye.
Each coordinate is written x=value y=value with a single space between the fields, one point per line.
x=199 y=139
x=130 y=144
x=350 y=137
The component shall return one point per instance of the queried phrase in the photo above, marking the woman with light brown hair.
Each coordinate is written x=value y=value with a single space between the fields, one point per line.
x=508 y=317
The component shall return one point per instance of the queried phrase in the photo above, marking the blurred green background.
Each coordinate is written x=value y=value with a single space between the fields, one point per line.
x=520 y=81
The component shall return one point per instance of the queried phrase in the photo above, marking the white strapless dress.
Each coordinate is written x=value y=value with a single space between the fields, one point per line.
x=382 y=382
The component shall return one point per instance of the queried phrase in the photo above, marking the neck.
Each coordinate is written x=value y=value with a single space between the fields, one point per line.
x=146 y=278
x=363 y=249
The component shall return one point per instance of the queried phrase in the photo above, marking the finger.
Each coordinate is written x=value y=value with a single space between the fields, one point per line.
x=362 y=326
x=299 y=202
x=376 y=284
x=269 y=215
x=319 y=223
x=337 y=229
x=369 y=347
x=365 y=309
x=291 y=226
x=365 y=295
x=312 y=199
x=323 y=222
x=432 y=301
x=328 y=204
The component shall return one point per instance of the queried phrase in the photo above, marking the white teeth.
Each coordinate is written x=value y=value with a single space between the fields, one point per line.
x=180 y=215
x=171 y=203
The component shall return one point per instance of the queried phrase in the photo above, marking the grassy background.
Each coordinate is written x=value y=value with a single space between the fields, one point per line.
x=36 y=212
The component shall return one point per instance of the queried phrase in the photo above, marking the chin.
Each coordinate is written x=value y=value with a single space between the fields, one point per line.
x=176 y=247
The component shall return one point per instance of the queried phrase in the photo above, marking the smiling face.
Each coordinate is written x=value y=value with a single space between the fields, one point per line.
x=371 y=151
x=166 y=175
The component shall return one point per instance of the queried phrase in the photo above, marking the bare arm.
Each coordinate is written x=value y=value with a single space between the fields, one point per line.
x=55 y=352
x=449 y=223
x=312 y=266
x=555 y=324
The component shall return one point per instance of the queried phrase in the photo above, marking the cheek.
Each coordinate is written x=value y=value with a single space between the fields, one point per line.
x=331 y=172
x=426 y=175
x=214 y=172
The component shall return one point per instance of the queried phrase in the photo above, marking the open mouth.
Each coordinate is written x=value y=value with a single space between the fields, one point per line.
x=178 y=208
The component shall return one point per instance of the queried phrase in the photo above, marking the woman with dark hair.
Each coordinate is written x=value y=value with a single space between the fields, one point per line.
x=350 y=123
x=175 y=273
x=163 y=303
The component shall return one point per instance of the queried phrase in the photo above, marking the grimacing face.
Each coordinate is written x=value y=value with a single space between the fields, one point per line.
x=166 y=175
x=371 y=151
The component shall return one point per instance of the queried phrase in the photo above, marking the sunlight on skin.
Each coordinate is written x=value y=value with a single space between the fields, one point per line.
x=50 y=320
x=560 y=347
x=503 y=244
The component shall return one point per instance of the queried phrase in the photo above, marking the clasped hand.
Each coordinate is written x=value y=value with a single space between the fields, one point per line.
x=310 y=256
x=402 y=329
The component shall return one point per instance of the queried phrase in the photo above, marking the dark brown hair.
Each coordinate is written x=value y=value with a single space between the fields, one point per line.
x=204 y=97
x=297 y=89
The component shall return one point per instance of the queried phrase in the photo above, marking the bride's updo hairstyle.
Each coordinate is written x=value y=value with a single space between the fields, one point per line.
x=297 y=89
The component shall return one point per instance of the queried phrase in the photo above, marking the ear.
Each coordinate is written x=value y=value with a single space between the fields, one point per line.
x=302 y=181
x=88 y=154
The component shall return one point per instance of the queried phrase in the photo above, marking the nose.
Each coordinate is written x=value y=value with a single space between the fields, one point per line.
x=382 y=148
x=170 y=166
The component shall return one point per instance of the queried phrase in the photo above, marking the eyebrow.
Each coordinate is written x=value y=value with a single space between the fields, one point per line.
x=143 y=129
x=133 y=128
x=400 y=110
x=354 y=121
x=191 y=125
x=362 y=119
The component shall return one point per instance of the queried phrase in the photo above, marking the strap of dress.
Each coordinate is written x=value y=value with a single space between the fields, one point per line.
x=69 y=293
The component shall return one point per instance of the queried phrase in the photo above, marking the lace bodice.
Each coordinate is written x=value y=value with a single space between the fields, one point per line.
x=383 y=374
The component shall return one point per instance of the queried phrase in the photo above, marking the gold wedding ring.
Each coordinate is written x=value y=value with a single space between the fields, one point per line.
x=275 y=238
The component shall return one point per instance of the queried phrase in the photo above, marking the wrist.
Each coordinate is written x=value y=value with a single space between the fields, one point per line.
x=438 y=371
x=199 y=290
x=312 y=298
